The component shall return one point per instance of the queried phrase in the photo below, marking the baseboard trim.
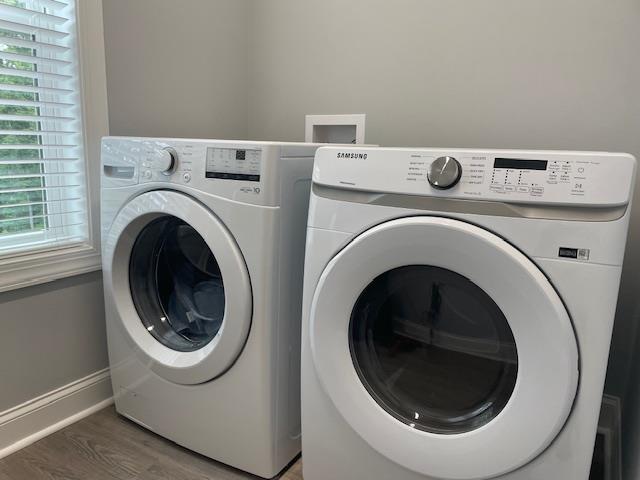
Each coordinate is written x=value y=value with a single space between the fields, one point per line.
x=25 y=424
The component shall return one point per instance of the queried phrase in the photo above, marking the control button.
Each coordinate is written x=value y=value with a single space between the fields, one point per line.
x=537 y=190
x=444 y=172
x=186 y=177
x=509 y=188
x=147 y=174
x=167 y=160
x=522 y=189
x=497 y=188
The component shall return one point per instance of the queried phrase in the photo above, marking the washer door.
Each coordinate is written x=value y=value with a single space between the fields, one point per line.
x=444 y=347
x=180 y=286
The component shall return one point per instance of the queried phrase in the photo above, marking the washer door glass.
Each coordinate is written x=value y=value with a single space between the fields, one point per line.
x=433 y=349
x=176 y=285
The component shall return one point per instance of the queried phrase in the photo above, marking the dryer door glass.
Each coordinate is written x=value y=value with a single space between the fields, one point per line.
x=176 y=285
x=433 y=349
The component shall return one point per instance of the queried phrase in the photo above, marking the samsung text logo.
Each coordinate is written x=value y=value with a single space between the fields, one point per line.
x=359 y=156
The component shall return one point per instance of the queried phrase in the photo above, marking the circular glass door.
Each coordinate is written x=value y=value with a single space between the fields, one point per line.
x=176 y=285
x=433 y=349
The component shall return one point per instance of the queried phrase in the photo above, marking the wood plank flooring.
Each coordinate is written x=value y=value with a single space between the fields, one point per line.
x=106 y=446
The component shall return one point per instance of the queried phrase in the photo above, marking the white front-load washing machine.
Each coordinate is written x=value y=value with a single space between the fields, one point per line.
x=457 y=312
x=203 y=252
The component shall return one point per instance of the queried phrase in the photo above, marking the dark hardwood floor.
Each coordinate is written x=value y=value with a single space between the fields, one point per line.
x=106 y=446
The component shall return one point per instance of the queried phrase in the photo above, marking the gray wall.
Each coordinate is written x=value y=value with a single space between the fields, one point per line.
x=497 y=73
x=176 y=69
x=52 y=334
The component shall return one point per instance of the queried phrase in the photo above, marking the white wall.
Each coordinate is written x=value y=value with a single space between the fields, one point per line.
x=177 y=69
x=497 y=73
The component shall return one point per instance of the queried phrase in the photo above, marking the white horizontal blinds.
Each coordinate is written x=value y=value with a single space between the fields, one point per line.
x=43 y=201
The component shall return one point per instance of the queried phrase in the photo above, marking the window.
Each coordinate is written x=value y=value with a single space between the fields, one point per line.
x=45 y=140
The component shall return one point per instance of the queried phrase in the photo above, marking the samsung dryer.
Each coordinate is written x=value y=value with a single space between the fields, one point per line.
x=458 y=308
x=203 y=250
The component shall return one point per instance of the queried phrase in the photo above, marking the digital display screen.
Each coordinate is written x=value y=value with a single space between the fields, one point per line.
x=233 y=164
x=520 y=164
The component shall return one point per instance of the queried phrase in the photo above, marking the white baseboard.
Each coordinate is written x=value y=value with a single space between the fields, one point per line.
x=33 y=420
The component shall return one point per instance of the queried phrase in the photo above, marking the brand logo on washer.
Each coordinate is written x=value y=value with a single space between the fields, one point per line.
x=252 y=190
x=359 y=156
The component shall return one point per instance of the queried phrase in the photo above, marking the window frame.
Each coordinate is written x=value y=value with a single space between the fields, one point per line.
x=22 y=269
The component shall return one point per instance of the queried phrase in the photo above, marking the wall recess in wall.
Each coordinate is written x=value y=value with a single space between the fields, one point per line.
x=335 y=128
x=607 y=454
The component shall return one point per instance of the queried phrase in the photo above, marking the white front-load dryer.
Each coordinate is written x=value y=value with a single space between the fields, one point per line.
x=203 y=251
x=457 y=312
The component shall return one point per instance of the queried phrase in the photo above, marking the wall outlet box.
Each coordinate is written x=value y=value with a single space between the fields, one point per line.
x=335 y=128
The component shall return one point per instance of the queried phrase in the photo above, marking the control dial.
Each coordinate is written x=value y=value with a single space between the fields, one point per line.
x=167 y=160
x=444 y=172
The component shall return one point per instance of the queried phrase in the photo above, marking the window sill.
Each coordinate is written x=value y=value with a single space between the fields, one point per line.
x=42 y=267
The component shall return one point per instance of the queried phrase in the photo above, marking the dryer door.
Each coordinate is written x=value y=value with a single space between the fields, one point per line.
x=444 y=347
x=180 y=286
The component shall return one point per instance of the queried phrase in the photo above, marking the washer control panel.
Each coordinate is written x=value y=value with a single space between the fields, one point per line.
x=192 y=163
x=245 y=171
x=242 y=171
x=572 y=178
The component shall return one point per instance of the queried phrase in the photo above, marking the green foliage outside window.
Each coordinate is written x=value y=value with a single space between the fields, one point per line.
x=28 y=210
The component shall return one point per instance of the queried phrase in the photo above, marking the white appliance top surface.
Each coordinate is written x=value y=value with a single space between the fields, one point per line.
x=516 y=176
x=212 y=140
x=289 y=148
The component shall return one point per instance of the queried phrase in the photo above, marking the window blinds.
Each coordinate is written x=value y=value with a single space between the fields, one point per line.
x=43 y=194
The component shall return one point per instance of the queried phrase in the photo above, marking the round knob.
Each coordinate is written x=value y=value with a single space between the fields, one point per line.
x=167 y=160
x=444 y=172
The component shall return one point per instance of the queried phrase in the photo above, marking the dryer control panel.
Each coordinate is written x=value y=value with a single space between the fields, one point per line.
x=519 y=176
